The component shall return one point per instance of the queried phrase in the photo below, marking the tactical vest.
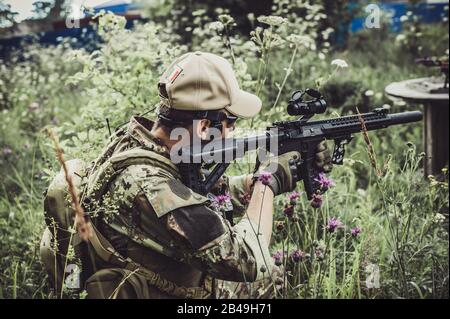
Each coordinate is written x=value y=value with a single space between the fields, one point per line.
x=92 y=183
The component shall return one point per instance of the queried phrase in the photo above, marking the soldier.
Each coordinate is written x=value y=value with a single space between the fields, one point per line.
x=181 y=243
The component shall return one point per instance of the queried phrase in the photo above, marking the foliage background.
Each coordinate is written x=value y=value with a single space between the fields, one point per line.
x=403 y=217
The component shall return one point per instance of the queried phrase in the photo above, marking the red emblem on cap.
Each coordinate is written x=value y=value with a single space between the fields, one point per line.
x=175 y=73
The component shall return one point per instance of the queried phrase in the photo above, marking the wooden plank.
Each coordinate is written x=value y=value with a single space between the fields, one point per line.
x=436 y=137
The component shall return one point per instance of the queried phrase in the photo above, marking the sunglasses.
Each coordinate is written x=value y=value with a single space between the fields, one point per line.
x=231 y=119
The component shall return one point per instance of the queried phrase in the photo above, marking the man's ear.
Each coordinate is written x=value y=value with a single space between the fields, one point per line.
x=202 y=128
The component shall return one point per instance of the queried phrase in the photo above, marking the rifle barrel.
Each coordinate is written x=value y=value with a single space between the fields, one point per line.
x=405 y=117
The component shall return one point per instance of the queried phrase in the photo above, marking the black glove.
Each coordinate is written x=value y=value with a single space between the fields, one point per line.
x=287 y=173
x=323 y=158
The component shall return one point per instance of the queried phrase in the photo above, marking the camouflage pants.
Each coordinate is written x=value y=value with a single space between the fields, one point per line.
x=262 y=289
x=123 y=284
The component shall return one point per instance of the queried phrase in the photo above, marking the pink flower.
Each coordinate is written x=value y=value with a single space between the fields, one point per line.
x=7 y=151
x=278 y=258
x=298 y=255
x=316 y=201
x=324 y=181
x=355 y=231
x=221 y=199
x=265 y=178
x=288 y=211
x=292 y=197
x=319 y=253
x=333 y=224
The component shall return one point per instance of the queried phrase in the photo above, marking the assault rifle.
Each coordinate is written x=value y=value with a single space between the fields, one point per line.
x=299 y=135
x=442 y=64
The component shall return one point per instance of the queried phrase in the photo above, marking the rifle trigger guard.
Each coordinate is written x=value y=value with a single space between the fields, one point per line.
x=339 y=149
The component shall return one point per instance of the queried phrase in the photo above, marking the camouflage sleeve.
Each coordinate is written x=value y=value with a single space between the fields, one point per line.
x=169 y=212
x=225 y=252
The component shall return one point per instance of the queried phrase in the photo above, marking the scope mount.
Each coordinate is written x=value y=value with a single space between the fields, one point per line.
x=308 y=108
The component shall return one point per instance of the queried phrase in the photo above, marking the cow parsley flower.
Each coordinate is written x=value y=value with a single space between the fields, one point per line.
x=339 y=63
x=272 y=20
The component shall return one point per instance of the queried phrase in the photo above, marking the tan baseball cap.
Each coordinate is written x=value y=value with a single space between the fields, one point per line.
x=199 y=81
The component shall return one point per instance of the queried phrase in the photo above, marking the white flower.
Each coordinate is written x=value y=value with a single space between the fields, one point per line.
x=369 y=93
x=272 y=20
x=339 y=63
x=400 y=38
x=404 y=18
x=361 y=192
x=438 y=218
x=321 y=56
x=216 y=26
x=303 y=40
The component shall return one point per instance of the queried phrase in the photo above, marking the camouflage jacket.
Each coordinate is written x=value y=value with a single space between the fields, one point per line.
x=150 y=202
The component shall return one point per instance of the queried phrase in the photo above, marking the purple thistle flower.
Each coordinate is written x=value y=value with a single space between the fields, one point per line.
x=221 y=199
x=265 y=178
x=355 y=231
x=7 y=151
x=324 y=181
x=278 y=258
x=298 y=255
x=288 y=211
x=292 y=197
x=319 y=253
x=316 y=201
x=333 y=224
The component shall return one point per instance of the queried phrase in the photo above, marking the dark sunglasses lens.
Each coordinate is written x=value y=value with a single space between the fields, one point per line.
x=231 y=119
